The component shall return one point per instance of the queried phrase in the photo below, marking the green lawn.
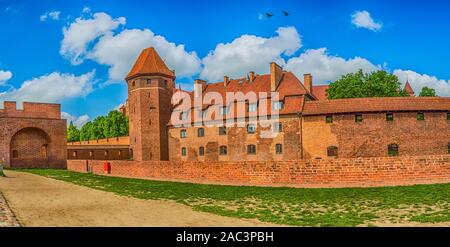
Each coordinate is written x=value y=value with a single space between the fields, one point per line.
x=302 y=207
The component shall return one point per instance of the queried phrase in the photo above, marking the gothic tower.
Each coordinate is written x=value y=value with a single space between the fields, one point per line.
x=150 y=88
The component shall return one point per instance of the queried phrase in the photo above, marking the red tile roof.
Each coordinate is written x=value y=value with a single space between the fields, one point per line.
x=320 y=92
x=409 y=89
x=386 y=104
x=150 y=63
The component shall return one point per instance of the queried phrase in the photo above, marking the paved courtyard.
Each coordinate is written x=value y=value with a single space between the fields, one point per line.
x=7 y=217
x=40 y=201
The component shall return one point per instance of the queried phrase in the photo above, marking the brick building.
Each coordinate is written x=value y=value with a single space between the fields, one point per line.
x=34 y=136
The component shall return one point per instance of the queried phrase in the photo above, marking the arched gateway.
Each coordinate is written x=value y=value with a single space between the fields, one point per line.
x=29 y=146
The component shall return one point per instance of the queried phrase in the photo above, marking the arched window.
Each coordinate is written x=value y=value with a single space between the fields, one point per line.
x=44 y=151
x=393 y=149
x=223 y=150
x=201 y=151
x=332 y=151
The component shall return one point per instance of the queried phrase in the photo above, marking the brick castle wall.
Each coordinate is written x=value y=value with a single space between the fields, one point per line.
x=359 y=172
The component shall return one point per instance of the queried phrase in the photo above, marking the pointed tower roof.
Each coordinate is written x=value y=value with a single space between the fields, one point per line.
x=150 y=63
x=409 y=89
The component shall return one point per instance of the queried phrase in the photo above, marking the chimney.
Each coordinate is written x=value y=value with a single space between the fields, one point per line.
x=199 y=86
x=276 y=73
x=226 y=80
x=307 y=81
x=251 y=76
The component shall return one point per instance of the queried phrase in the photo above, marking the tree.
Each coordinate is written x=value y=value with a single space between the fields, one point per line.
x=73 y=134
x=427 y=92
x=362 y=85
x=113 y=125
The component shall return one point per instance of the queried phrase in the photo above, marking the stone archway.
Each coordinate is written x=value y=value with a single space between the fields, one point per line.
x=29 y=147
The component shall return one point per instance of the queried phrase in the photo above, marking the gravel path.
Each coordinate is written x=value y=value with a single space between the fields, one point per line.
x=7 y=217
x=40 y=201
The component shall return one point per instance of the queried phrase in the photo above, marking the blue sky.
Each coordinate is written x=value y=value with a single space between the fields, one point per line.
x=77 y=52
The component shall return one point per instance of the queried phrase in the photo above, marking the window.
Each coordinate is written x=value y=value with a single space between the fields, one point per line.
x=222 y=130
x=184 y=115
x=448 y=115
x=133 y=83
x=224 y=111
x=44 y=151
x=74 y=154
x=278 y=148
x=106 y=153
x=329 y=119
x=183 y=151
x=277 y=105
x=389 y=117
x=251 y=149
x=332 y=151
x=358 y=118
x=252 y=107
x=251 y=128
x=91 y=154
x=223 y=150
x=201 y=151
x=201 y=132
x=277 y=127
x=15 y=154
x=149 y=81
x=392 y=149
x=183 y=134
x=448 y=147
x=420 y=116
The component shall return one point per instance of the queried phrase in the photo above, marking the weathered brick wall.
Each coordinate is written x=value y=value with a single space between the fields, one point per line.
x=98 y=153
x=371 y=137
x=236 y=141
x=28 y=130
x=379 y=171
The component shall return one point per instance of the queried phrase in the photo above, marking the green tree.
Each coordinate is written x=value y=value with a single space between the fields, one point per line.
x=427 y=92
x=362 y=85
x=113 y=125
x=73 y=134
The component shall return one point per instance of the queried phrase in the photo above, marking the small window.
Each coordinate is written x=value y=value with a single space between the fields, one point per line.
x=277 y=127
x=223 y=150
x=224 y=111
x=133 y=83
x=251 y=149
x=222 y=130
x=420 y=116
x=332 y=151
x=184 y=115
x=448 y=115
x=91 y=154
x=201 y=132
x=448 y=147
x=278 y=148
x=358 y=118
x=183 y=151
x=149 y=81
x=183 y=134
x=106 y=153
x=74 y=154
x=201 y=151
x=15 y=154
x=251 y=128
x=329 y=119
x=253 y=107
x=392 y=149
x=277 y=105
x=389 y=117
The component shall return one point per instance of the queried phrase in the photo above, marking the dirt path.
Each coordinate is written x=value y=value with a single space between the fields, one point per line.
x=40 y=201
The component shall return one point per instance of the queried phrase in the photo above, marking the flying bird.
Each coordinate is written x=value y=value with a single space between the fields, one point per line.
x=285 y=13
x=269 y=15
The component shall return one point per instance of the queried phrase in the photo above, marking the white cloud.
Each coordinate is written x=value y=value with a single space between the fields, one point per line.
x=53 y=15
x=250 y=52
x=120 y=52
x=81 y=33
x=5 y=76
x=418 y=81
x=51 y=88
x=325 y=67
x=77 y=121
x=362 y=19
x=86 y=10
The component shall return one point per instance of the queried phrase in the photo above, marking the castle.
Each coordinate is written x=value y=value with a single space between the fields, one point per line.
x=308 y=125
x=34 y=136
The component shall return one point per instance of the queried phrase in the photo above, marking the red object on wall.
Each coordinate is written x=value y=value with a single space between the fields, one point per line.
x=107 y=168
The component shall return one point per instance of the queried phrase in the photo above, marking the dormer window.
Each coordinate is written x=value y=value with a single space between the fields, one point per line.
x=277 y=105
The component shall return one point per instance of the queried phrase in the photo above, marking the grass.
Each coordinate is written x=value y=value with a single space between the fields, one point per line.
x=290 y=206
